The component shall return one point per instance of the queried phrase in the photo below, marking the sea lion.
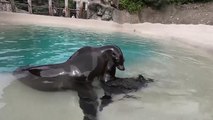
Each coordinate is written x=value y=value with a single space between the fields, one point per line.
x=77 y=73
x=122 y=86
x=125 y=85
x=82 y=67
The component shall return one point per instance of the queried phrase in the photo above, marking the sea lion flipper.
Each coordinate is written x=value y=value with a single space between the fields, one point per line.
x=35 y=72
x=45 y=71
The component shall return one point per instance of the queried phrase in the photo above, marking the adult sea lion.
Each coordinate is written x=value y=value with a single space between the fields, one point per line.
x=82 y=67
x=77 y=73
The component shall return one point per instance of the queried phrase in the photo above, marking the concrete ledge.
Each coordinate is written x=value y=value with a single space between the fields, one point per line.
x=200 y=36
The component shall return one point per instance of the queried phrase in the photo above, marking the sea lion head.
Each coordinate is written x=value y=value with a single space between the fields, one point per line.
x=118 y=57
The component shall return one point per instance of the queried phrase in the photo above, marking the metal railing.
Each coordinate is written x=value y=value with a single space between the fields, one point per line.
x=58 y=11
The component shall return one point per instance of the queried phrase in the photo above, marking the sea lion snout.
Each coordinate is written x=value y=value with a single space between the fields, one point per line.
x=121 y=67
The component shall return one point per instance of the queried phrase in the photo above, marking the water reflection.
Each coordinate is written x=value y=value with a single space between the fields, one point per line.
x=51 y=103
x=24 y=103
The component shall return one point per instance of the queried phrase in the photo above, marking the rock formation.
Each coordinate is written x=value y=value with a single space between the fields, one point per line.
x=102 y=10
x=5 y=6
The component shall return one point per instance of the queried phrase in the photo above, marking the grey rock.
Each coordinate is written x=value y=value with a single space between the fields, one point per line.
x=98 y=10
x=124 y=17
x=107 y=15
x=5 y=6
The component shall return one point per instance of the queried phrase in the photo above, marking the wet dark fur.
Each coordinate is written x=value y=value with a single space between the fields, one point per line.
x=122 y=86
x=125 y=85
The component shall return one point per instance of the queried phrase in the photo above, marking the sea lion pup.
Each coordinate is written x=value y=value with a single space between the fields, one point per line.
x=122 y=86
x=125 y=85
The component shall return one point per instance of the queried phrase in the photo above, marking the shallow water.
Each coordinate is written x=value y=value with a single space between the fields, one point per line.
x=182 y=90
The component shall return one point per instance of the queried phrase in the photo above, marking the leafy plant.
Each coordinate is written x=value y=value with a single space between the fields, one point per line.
x=131 y=5
x=136 y=5
x=187 y=1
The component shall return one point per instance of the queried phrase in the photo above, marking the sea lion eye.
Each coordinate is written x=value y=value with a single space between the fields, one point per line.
x=113 y=54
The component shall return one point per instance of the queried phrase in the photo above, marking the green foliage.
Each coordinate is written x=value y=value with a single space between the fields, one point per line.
x=131 y=5
x=179 y=1
x=156 y=4
x=60 y=3
x=135 y=5
x=187 y=1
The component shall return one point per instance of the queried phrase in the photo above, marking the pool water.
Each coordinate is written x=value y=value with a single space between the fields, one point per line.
x=26 y=45
x=183 y=76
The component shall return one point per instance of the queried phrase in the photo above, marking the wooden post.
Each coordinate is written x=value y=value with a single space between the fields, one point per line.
x=117 y=4
x=78 y=5
x=50 y=8
x=81 y=10
x=13 y=6
x=66 y=9
x=29 y=6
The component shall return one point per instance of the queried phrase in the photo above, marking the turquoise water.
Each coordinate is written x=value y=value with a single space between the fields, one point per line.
x=183 y=76
x=33 y=45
